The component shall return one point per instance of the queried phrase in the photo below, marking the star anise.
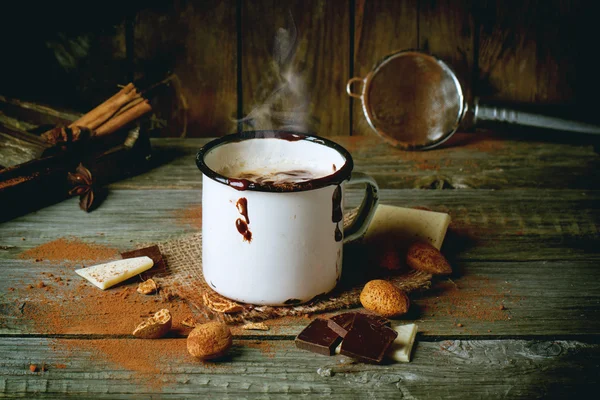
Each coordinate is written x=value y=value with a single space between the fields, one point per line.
x=83 y=185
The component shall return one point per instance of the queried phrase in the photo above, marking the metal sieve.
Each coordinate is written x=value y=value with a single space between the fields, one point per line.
x=414 y=101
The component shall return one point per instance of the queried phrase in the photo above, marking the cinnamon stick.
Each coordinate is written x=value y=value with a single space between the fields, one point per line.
x=129 y=105
x=96 y=112
x=120 y=120
x=108 y=109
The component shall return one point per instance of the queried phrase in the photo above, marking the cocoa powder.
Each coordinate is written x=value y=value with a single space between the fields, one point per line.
x=70 y=251
x=81 y=308
x=60 y=302
x=191 y=216
x=471 y=297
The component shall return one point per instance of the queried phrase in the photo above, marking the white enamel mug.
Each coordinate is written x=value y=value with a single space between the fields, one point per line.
x=272 y=245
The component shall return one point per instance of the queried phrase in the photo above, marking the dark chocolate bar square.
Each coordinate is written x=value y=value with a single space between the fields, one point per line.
x=318 y=338
x=377 y=320
x=341 y=323
x=154 y=253
x=367 y=341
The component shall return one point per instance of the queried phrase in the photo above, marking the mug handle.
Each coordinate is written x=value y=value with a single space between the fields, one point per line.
x=359 y=225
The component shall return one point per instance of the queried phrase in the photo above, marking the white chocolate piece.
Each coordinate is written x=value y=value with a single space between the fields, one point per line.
x=109 y=274
x=407 y=225
x=401 y=347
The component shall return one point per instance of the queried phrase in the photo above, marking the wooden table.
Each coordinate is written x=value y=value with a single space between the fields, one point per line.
x=524 y=240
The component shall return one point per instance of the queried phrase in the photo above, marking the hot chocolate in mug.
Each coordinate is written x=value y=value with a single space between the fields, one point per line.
x=272 y=215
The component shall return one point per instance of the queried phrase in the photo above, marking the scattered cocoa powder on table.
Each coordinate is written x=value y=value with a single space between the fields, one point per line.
x=70 y=251
x=82 y=308
x=470 y=297
x=60 y=302
x=191 y=216
x=148 y=358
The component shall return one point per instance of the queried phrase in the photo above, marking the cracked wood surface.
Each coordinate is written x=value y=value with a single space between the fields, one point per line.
x=451 y=369
x=524 y=238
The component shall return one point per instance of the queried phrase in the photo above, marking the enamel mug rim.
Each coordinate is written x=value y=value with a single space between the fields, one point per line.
x=336 y=178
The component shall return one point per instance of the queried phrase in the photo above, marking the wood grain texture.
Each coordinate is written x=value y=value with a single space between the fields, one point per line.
x=380 y=28
x=516 y=225
x=446 y=29
x=449 y=369
x=471 y=161
x=303 y=88
x=527 y=50
x=26 y=115
x=534 y=251
x=482 y=299
x=196 y=41
x=518 y=318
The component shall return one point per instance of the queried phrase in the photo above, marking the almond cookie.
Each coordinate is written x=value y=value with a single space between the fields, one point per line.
x=209 y=341
x=424 y=257
x=384 y=299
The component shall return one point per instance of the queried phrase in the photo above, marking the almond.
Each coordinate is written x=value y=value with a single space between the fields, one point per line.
x=220 y=304
x=209 y=341
x=147 y=287
x=384 y=299
x=154 y=327
x=424 y=257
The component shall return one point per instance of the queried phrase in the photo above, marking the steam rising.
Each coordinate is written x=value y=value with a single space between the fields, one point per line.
x=287 y=106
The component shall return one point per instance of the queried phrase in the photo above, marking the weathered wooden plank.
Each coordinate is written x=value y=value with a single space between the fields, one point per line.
x=526 y=52
x=26 y=115
x=477 y=161
x=516 y=225
x=446 y=29
x=445 y=369
x=536 y=251
x=494 y=299
x=295 y=64
x=380 y=28
x=196 y=41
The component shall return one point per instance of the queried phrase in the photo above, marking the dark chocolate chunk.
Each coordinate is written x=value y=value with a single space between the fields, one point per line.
x=377 y=320
x=154 y=253
x=367 y=341
x=318 y=338
x=341 y=323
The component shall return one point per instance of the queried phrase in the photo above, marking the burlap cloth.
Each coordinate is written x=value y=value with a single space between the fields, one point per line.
x=183 y=277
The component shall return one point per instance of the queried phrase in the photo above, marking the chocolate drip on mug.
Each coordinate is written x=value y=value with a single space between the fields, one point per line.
x=240 y=224
x=336 y=213
x=242 y=206
x=242 y=228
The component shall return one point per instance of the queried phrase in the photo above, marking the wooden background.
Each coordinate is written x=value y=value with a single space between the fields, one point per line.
x=222 y=52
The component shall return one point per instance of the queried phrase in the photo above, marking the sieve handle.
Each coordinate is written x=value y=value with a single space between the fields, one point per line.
x=500 y=114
